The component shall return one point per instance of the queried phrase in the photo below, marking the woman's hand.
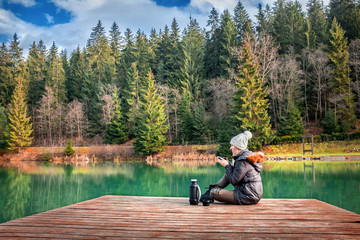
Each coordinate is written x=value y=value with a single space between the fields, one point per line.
x=223 y=162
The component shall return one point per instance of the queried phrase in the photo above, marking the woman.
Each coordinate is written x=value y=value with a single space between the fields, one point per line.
x=243 y=174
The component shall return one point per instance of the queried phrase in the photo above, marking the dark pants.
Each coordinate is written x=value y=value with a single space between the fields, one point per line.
x=221 y=195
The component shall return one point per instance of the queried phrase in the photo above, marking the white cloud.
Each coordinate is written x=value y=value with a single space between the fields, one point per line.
x=133 y=14
x=49 y=18
x=25 y=3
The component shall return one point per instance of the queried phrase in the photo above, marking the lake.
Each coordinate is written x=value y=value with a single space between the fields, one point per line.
x=27 y=188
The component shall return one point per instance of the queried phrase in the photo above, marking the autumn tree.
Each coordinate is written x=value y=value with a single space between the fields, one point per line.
x=340 y=95
x=75 y=119
x=250 y=103
x=20 y=127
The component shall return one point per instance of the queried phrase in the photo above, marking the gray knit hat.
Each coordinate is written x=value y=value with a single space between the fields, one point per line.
x=241 y=141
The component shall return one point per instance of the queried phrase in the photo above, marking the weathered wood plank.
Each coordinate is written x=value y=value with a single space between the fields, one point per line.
x=158 y=217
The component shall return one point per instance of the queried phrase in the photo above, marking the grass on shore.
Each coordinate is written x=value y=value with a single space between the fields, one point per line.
x=351 y=147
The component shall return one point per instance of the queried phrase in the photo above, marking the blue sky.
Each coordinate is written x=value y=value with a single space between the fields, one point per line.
x=69 y=22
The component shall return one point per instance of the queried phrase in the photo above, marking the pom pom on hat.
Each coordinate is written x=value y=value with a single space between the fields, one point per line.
x=241 y=141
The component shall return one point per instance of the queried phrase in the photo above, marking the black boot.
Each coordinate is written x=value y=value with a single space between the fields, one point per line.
x=206 y=198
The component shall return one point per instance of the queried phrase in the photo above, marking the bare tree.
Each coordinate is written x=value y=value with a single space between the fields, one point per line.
x=354 y=60
x=47 y=115
x=264 y=48
x=76 y=122
x=320 y=73
x=284 y=81
x=222 y=91
x=107 y=108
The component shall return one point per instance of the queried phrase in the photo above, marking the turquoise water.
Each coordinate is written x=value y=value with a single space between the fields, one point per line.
x=29 y=188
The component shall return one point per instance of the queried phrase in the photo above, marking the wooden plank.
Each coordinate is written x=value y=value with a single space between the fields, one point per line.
x=160 y=217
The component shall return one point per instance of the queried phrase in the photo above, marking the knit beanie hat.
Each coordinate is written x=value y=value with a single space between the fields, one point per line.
x=241 y=141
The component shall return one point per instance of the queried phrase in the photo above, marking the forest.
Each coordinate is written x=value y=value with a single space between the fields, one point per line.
x=286 y=71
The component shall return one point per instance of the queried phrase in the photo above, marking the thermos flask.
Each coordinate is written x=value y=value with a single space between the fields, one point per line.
x=195 y=192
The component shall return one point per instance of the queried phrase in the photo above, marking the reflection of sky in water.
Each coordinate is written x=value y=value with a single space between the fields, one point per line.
x=29 y=188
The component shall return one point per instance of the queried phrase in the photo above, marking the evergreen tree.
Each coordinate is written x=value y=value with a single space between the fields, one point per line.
x=151 y=120
x=4 y=127
x=20 y=127
x=212 y=46
x=263 y=19
x=131 y=96
x=242 y=22
x=227 y=41
x=340 y=96
x=186 y=117
x=292 y=124
x=69 y=149
x=201 y=131
x=318 y=23
x=143 y=53
x=116 y=133
x=330 y=124
x=7 y=83
x=116 y=44
x=347 y=14
x=127 y=57
x=164 y=58
x=76 y=76
x=37 y=72
x=90 y=99
x=99 y=55
x=280 y=26
x=250 y=105
x=55 y=77
x=192 y=70
x=296 y=26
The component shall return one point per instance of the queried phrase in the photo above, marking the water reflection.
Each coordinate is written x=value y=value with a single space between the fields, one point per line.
x=27 y=188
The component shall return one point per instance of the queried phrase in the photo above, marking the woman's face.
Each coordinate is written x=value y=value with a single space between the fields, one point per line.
x=234 y=150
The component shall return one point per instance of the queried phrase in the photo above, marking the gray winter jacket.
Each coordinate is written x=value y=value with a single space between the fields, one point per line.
x=244 y=175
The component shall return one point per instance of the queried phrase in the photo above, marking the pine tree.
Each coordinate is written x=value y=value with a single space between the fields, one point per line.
x=151 y=120
x=76 y=76
x=347 y=14
x=242 y=22
x=143 y=53
x=127 y=57
x=186 y=117
x=164 y=57
x=7 y=83
x=4 y=127
x=131 y=96
x=69 y=149
x=20 y=127
x=192 y=70
x=263 y=19
x=116 y=133
x=297 y=26
x=250 y=105
x=37 y=72
x=116 y=44
x=227 y=41
x=212 y=46
x=318 y=23
x=201 y=131
x=330 y=124
x=98 y=48
x=292 y=124
x=340 y=94
x=55 y=74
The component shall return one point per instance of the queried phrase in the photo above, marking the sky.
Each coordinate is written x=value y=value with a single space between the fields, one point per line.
x=69 y=23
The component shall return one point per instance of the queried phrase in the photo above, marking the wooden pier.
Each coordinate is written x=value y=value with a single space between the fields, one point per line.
x=131 y=217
